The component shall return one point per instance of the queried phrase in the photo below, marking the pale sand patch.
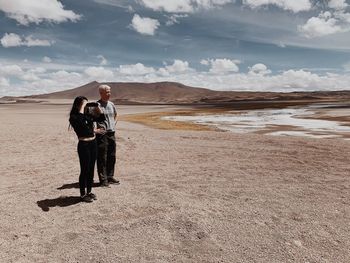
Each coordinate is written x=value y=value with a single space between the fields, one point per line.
x=185 y=196
x=155 y=120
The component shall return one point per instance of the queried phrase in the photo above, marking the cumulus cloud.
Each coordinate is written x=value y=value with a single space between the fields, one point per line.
x=182 y=6
x=174 y=19
x=205 y=62
x=72 y=77
x=29 y=41
x=324 y=24
x=35 y=80
x=33 y=11
x=343 y=17
x=337 y=4
x=11 y=40
x=47 y=59
x=221 y=65
x=37 y=70
x=178 y=66
x=10 y=70
x=169 y=6
x=119 y=3
x=290 y=5
x=144 y=25
x=14 y=40
x=103 y=60
x=259 y=69
x=4 y=83
x=135 y=69
x=29 y=76
x=99 y=73
x=15 y=71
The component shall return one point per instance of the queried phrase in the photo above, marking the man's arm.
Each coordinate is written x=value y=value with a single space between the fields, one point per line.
x=115 y=114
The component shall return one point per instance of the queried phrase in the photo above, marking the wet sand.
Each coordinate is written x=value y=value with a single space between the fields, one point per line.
x=185 y=196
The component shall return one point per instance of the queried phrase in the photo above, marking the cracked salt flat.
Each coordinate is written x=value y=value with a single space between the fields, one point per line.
x=256 y=120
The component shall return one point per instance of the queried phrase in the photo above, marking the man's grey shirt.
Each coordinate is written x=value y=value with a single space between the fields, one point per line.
x=110 y=111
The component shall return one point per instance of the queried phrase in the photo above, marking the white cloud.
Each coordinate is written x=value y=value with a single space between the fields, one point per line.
x=281 y=44
x=47 y=59
x=38 y=70
x=205 y=62
x=291 y=5
x=31 y=42
x=259 y=69
x=11 y=40
x=21 y=74
x=33 y=11
x=15 y=71
x=287 y=81
x=337 y=4
x=103 y=61
x=118 y=3
x=144 y=25
x=343 y=17
x=29 y=76
x=178 y=66
x=99 y=73
x=136 y=69
x=10 y=70
x=4 y=83
x=36 y=80
x=14 y=40
x=183 y=6
x=174 y=19
x=324 y=24
x=170 y=6
x=221 y=65
x=67 y=76
x=346 y=66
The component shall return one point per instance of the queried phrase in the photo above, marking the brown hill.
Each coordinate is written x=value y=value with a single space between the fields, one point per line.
x=160 y=92
x=176 y=93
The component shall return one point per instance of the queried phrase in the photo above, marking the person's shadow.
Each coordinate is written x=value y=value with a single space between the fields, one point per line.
x=74 y=185
x=61 y=201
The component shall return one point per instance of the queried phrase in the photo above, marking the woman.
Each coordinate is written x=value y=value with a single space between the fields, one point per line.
x=83 y=126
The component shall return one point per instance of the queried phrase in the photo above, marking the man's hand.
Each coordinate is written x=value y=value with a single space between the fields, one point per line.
x=99 y=110
x=100 y=131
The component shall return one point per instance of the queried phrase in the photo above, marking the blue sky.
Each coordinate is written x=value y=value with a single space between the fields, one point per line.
x=260 y=45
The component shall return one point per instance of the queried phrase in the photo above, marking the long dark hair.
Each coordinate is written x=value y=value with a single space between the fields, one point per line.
x=76 y=105
x=76 y=108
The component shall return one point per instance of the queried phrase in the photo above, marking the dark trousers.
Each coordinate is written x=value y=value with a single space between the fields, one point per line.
x=106 y=148
x=87 y=157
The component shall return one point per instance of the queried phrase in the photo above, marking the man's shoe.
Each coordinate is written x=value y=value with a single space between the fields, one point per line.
x=86 y=199
x=104 y=184
x=92 y=195
x=113 y=181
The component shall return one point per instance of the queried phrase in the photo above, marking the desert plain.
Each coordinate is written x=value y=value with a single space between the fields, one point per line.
x=186 y=195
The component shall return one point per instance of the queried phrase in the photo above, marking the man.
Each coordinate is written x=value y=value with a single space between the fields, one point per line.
x=106 y=146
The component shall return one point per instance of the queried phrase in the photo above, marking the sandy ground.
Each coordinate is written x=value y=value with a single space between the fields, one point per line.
x=185 y=196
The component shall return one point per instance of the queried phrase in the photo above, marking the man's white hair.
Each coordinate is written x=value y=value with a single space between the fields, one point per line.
x=103 y=87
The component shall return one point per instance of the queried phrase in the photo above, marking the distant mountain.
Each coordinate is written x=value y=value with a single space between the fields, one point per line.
x=160 y=92
x=176 y=93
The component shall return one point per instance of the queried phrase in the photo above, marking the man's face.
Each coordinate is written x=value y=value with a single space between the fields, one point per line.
x=106 y=94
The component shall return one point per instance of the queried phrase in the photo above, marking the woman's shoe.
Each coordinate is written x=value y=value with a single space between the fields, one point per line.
x=92 y=195
x=86 y=199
